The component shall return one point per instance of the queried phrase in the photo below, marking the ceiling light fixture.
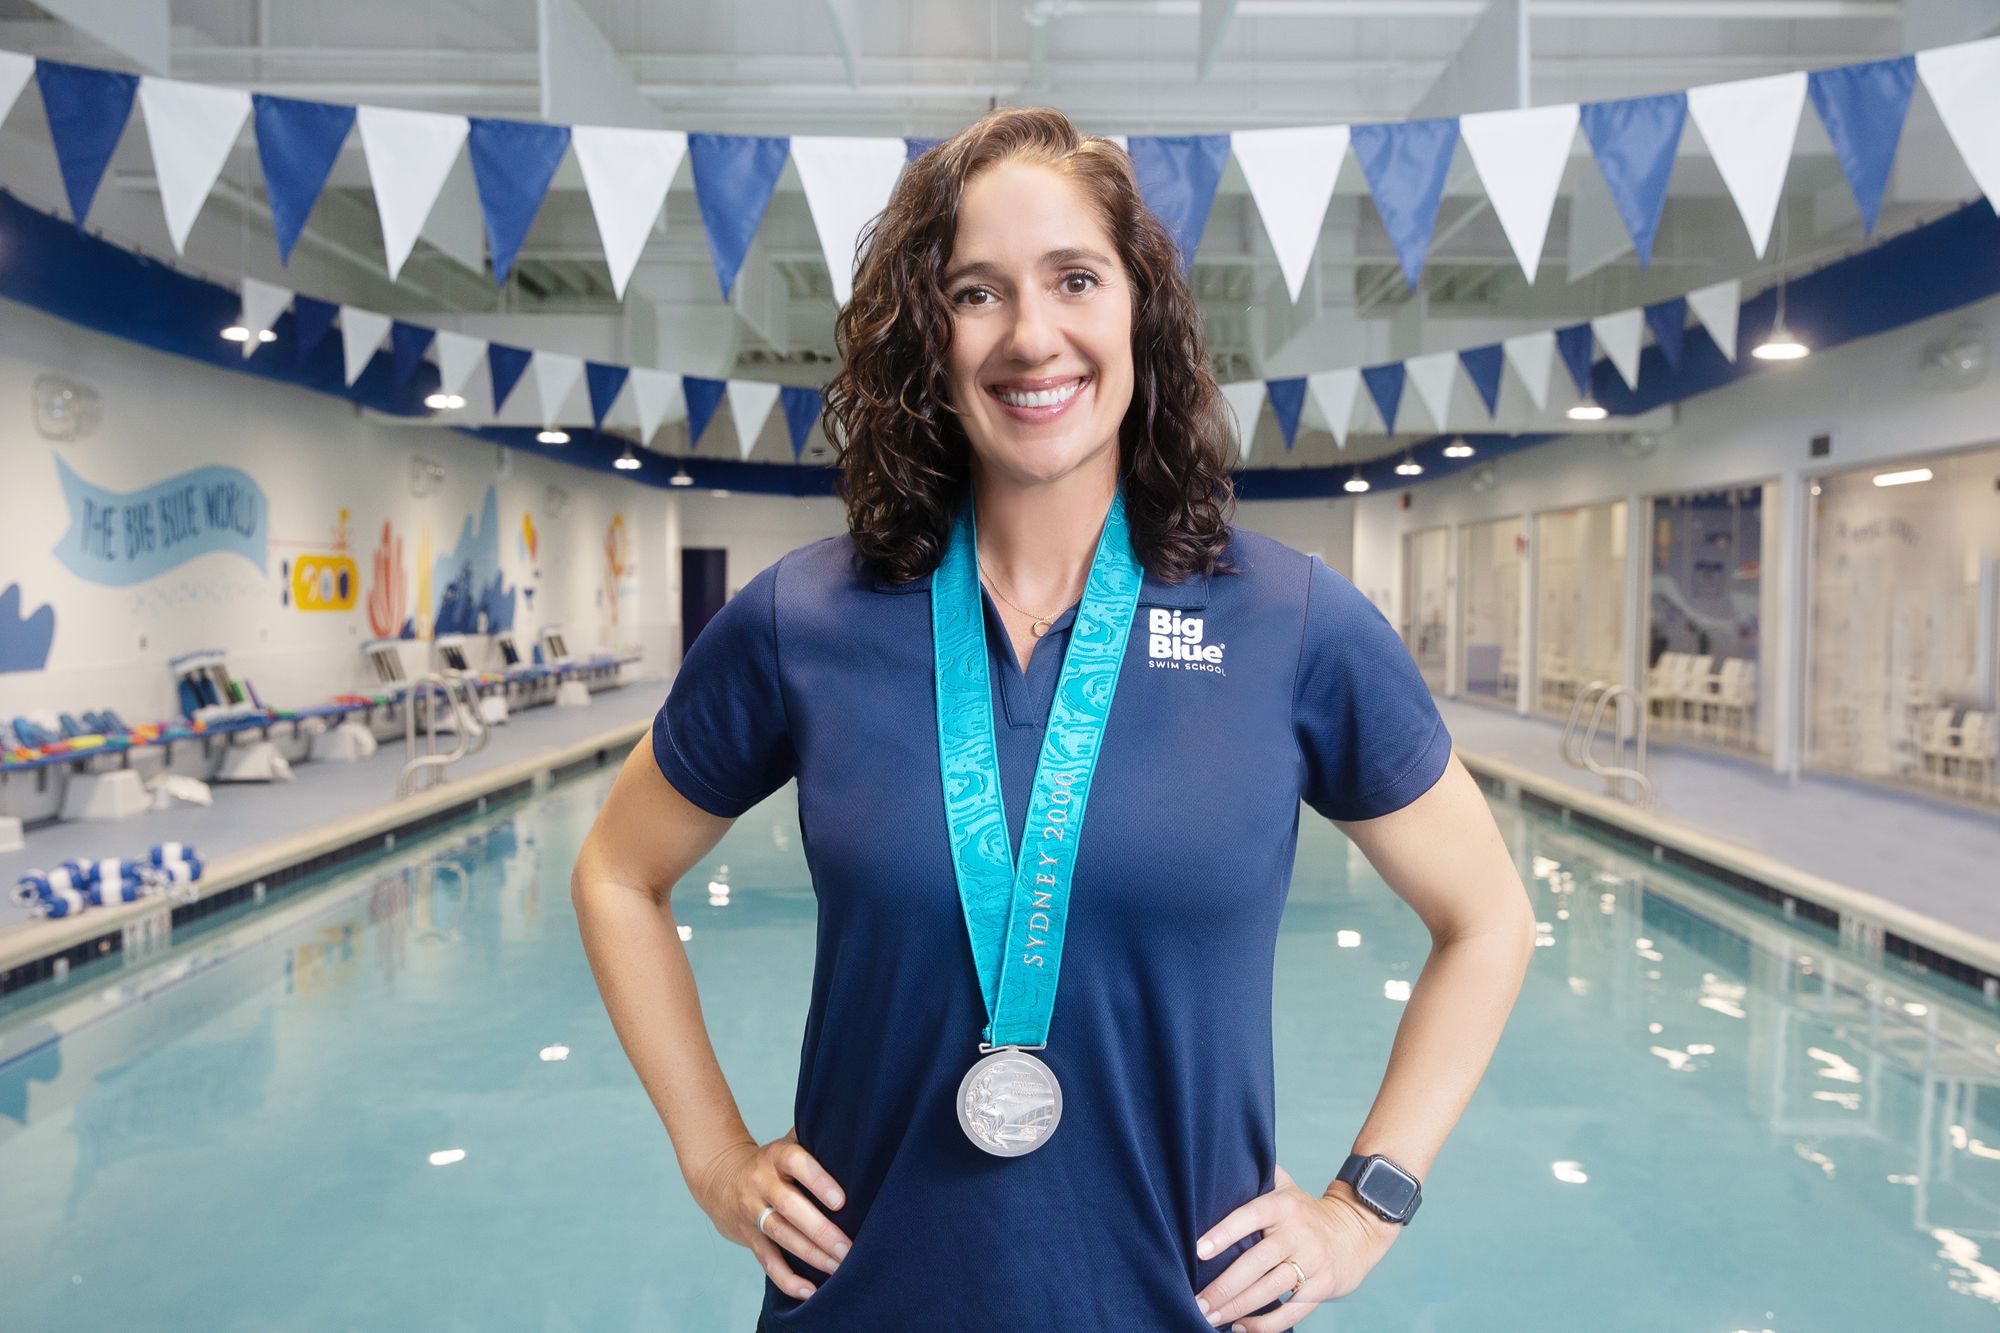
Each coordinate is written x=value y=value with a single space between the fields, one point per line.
x=627 y=461
x=680 y=477
x=1588 y=410
x=444 y=402
x=236 y=333
x=552 y=436
x=1356 y=483
x=1780 y=344
x=1409 y=467
x=1458 y=448
x=1915 y=474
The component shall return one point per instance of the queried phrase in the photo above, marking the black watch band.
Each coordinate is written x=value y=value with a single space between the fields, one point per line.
x=1390 y=1191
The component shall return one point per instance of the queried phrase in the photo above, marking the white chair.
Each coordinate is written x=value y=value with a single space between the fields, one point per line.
x=1938 y=744
x=1695 y=689
x=1663 y=681
x=1735 y=699
x=1977 y=737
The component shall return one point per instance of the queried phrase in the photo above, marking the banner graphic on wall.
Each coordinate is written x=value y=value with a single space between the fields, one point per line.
x=121 y=539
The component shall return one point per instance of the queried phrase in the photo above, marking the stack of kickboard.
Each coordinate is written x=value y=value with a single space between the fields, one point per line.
x=74 y=886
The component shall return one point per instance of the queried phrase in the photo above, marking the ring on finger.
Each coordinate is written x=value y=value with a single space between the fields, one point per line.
x=1296 y=1286
x=769 y=1208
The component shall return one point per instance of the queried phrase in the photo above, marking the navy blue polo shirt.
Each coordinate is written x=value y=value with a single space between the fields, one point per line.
x=1242 y=694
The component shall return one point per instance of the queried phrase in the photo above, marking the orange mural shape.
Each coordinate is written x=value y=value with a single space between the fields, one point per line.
x=386 y=600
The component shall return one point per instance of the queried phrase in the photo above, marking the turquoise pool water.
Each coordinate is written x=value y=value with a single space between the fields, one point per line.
x=394 y=1102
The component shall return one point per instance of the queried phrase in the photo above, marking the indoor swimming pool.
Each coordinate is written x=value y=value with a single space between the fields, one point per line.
x=391 y=1099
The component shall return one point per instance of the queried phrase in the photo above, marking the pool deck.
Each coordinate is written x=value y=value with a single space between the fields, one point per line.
x=1937 y=861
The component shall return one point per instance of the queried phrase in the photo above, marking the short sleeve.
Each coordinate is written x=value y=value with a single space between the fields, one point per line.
x=721 y=737
x=1368 y=730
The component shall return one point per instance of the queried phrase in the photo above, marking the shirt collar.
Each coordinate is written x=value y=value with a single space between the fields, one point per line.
x=1189 y=595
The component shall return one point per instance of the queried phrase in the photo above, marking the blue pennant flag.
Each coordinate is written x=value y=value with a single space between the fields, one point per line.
x=916 y=148
x=1482 y=367
x=801 y=411
x=298 y=143
x=1287 y=397
x=703 y=397
x=1668 y=321
x=604 y=382
x=1405 y=163
x=407 y=345
x=506 y=365
x=734 y=175
x=1634 y=141
x=1385 y=386
x=312 y=320
x=1573 y=345
x=513 y=162
x=87 y=110
x=1177 y=175
x=1863 y=107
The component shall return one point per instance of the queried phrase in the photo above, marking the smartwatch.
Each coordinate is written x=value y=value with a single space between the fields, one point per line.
x=1388 y=1189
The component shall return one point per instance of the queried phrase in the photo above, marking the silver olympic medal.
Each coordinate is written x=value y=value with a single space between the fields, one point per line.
x=1009 y=1102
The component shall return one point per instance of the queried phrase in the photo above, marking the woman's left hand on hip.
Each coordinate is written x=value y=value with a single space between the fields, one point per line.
x=1334 y=1239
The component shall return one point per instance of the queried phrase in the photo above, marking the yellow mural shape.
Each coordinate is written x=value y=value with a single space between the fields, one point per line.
x=325 y=583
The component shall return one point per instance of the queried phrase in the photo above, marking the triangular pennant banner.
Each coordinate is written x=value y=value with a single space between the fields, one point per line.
x=361 y=332
x=703 y=396
x=1573 y=345
x=1177 y=175
x=1431 y=376
x=1964 y=84
x=847 y=184
x=802 y=408
x=734 y=175
x=556 y=376
x=1288 y=398
x=263 y=302
x=87 y=110
x=1668 y=321
x=605 y=383
x=918 y=147
x=750 y=404
x=1533 y=356
x=1333 y=392
x=312 y=320
x=1750 y=127
x=505 y=365
x=1521 y=156
x=513 y=162
x=1291 y=173
x=1716 y=307
x=407 y=345
x=1406 y=163
x=1385 y=386
x=1862 y=107
x=15 y=71
x=192 y=127
x=459 y=354
x=1244 y=398
x=653 y=394
x=409 y=155
x=1634 y=141
x=1483 y=366
x=1620 y=333
x=297 y=143
x=627 y=174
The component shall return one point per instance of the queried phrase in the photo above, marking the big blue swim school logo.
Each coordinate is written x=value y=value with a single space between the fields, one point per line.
x=1174 y=643
x=119 y=539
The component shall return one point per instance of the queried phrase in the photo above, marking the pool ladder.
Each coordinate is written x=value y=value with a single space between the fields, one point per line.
x=1617 y=775
x=471 y=733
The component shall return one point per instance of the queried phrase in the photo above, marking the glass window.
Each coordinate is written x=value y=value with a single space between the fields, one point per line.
x=1489 y=586
x=1426 y=589
x=1580 y=604
x=1705 y=592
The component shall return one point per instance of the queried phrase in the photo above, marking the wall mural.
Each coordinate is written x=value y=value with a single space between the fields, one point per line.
x=387 y=599
x=418 y=626
x=118 y=540
x=324 y=579
x=618 y=562
x=24 y=640
x=472 y=582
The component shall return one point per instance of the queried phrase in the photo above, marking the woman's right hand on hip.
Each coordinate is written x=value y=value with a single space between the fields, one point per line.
x=746 y=1179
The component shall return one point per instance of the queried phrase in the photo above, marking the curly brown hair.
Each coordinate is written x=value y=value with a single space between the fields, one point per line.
x=905 y=460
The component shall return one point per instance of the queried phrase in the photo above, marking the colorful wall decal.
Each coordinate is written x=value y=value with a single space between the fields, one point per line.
x=387 y=601
x=24 y=640
x=529 y=541
x=325 y=583
x=121 y=539
x=418 y=626
x=471 y=580
x=618 y=561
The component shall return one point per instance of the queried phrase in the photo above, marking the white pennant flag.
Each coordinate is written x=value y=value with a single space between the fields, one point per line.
x=1432 y=377
x=1750 y=126
x=263 y=302
x=626 y=173
x=1521 y=156
x=1245 y=399
x=750 y=404
x=1333 y=391
x=1291 y=175
x=1964 y=84
x=656 y=394
x=361 y=332
x=1533 y=356
x=409 y=155
x=1620 y=333
x=1716 y=307
x=847 y=182
x=459 y=355
x=556 y=376
x=192 y=127
x=15 y=71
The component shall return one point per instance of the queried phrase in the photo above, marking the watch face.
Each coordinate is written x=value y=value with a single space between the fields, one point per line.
x=1385 y=1186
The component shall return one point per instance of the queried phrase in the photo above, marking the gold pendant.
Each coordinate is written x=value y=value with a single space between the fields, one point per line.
x=1041 y=627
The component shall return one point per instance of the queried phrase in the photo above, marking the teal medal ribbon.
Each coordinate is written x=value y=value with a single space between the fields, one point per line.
x=1015 y=914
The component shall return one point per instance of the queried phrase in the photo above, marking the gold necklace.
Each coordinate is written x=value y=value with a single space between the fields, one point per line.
x=1041 y=623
